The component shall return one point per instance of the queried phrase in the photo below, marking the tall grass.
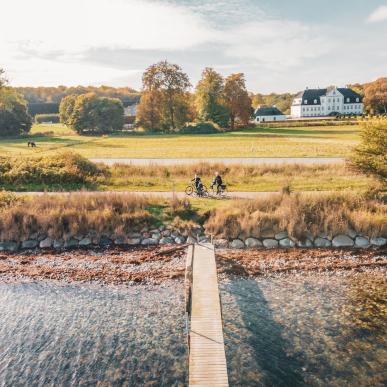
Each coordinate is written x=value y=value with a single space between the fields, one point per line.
x=300 y=214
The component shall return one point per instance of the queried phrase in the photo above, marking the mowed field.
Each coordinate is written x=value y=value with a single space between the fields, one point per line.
x=329 y=141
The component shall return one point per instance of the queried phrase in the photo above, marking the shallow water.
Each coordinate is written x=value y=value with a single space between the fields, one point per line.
x=81 y=335
x=309 y=330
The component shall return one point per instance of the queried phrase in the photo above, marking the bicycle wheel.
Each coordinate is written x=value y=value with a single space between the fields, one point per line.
x=189 y=190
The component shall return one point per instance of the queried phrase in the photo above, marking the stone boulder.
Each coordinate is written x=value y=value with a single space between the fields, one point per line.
x=9 y=246
x=362 y=242
x=379 y=241
x=72 y=242
x=305 y=243
x=281 y=235
x=149 y=242
x=46 y=243
x=322 y=242
x=119 y=240
x=220 y=243
x=58 y=243
x=270 y=243
x=105 y=241
x=29 y=244
x=180 y=240
x=166 y=241
x=237 y=244
x=133 y=241
x=252 y=243
x=85 y=242
x=342 y=240
x=287 y=242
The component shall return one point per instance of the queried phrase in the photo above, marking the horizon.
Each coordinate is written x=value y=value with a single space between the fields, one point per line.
x=280 y=47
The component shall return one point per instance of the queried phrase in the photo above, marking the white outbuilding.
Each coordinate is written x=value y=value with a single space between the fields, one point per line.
x=268 y=113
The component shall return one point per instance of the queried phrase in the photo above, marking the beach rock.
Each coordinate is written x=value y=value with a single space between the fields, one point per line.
x=305 y=243
x=220 y=243
x=58 y=243
x=362 y=242
x=70 y=243
x=379 y=241
x=253 y=243
x=166 y=241
x=9 y=246
x=281 y=235
x=166 y=233
x=120 y=240
x=105 y=241
x=162 y=228
x=270 y=243
x=42 y=237
x=85 y=242
x=191 y=240
x=322 y=242
x=46 y=243
x=149 y=242
x=286 y=243
x=342 y=241
x=133 y=241
x=30 y=244
x=180 y=240
x=134 y=235
x=204 y=239
x=156 y=235
x=237 y=244
x=78 y=237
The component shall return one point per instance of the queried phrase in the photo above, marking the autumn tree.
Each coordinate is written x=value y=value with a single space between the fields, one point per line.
x=375 y=96
x=169 y=83
x=370 y=156
x=149 y=110
x=66 y=109
x=14 y=117
x=237 y=99
x=96 y=114
x=209 y=98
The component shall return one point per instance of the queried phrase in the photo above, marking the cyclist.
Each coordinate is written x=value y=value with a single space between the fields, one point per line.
x=198 y=184
x=218 y=182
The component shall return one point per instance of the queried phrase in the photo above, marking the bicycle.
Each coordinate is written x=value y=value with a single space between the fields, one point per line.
x=191 y=190
x=220 y=192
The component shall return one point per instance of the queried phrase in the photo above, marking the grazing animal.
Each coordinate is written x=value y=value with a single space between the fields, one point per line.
x=31 y=144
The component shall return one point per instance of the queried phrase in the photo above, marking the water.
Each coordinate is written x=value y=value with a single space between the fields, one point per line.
x=313 y=330
x=85 y=335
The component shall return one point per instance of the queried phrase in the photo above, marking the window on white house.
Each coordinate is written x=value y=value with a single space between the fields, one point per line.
x=315 y=101
x=305 y=101
x=357 y=99
x=347 y=99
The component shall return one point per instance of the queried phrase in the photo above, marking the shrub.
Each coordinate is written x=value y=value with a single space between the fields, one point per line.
x=201 y=128
x=370 y=157
x=51 y=118
x=61 y=170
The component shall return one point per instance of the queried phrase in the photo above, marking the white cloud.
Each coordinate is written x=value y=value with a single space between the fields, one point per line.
x=378 y=15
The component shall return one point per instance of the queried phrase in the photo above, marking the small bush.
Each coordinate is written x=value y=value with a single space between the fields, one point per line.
x=201 y=128
x=49 y=118
x=61 y=170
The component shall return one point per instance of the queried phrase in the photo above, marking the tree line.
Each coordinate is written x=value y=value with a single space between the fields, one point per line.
x=166 y=103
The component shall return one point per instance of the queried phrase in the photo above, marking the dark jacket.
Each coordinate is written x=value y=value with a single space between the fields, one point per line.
x=217 y=181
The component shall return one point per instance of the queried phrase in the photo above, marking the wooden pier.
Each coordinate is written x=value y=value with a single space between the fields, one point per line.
x=207 y=359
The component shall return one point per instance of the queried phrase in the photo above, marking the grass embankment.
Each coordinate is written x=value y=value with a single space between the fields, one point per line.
x=300 y=214
x=312 y=141
x=68 y=171
x=70 y=215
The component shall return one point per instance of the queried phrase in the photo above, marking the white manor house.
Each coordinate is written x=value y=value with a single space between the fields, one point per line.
x=324 y=102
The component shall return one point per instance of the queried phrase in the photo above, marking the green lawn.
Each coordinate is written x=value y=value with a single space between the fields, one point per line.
x=329 y=141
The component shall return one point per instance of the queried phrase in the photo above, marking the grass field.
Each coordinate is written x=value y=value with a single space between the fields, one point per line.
x=329 y=141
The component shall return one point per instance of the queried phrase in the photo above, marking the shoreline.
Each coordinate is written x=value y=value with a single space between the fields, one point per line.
x=158 y=265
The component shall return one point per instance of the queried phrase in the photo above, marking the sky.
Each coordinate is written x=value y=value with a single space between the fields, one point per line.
x=280 y=45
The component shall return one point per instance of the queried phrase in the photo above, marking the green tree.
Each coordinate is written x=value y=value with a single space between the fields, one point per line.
x=96 y=114
x=370 y=156
x=209 y=98
x=170 y=83
x=237 y=99
x=66 y=109
x=14 y=117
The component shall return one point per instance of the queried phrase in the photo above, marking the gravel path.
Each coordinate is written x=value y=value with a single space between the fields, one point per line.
x=227 y=161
